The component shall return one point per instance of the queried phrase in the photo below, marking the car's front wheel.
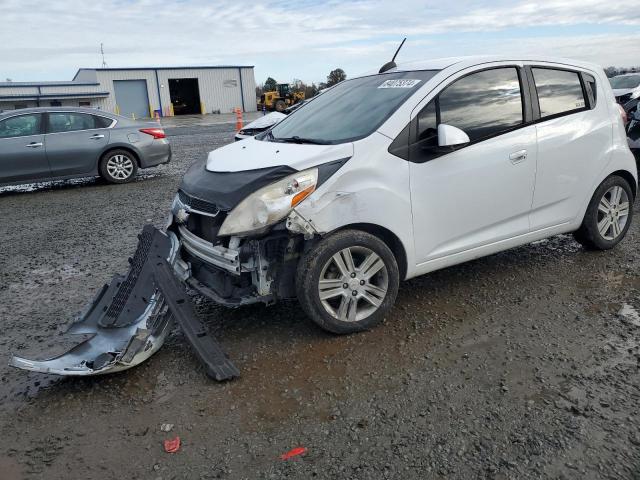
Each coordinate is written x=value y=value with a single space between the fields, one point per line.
x=348 y=281
x=118 y=166
x=608 y=215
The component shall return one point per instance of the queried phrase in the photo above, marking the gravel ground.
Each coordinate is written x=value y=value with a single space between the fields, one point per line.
x=520 y=365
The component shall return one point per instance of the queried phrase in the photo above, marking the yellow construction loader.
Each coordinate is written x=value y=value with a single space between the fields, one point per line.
x=280 y=98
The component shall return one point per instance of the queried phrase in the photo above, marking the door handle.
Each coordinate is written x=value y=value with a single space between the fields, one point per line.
x=34 y=145
x=96 y=137
x=519 y=156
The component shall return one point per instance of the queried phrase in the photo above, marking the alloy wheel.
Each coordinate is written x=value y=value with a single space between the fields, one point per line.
x=613 y=213
x=353 y=284
x=120 y=167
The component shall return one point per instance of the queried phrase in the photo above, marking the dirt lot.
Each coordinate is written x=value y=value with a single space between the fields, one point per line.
x=521 y=365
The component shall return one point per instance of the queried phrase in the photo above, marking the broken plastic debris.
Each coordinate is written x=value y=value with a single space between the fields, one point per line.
x=293 y=453
x=172 y=445
x=166 y=427
x=125 y=324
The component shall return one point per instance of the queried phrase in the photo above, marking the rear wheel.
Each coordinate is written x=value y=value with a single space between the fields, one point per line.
x=348 y=281
x=280 y=105
x=118 y=166
x=608 y=215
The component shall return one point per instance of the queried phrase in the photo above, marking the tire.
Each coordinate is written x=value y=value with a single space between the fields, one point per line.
x=118 y=166
x=607 y=208
x=336 y=313
x=280 y=106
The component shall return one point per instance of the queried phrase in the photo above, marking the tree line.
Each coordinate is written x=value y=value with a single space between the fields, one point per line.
x=310 y=89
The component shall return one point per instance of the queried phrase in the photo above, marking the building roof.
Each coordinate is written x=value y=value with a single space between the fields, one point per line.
x=190 y=67
x=48 y=84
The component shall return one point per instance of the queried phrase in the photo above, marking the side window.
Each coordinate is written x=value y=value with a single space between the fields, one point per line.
x=483 y=104
x=70 y=122
x=592 y=93
x=559 y=91
x=102 y=122
x=428 y=126
x=21 y=126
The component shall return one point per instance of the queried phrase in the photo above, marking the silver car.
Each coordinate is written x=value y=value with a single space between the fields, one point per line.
x=59 y=143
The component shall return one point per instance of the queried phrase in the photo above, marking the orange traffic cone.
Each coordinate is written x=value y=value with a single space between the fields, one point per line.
x=238 y=119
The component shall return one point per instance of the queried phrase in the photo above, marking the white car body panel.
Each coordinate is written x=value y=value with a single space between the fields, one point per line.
x=252 y=154
x=468 y=203
x=623 y=91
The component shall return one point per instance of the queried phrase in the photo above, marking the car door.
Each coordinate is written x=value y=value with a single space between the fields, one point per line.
x=74 y=142
x=22 y=152
x=574 y=138
x=480 y=192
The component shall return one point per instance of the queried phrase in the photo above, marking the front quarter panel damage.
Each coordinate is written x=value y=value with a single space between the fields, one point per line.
x=371 y=188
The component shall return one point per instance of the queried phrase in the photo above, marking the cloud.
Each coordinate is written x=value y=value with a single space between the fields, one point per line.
x=305 y=39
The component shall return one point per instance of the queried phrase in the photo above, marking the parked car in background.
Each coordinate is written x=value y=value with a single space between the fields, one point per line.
x=389 y=176
x=57 y=143
x=267 y=121
x=626 y=88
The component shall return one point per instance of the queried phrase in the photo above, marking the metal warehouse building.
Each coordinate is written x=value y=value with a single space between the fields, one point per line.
x=142 y=92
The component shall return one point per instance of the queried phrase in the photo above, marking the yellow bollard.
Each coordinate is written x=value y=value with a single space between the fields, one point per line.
x=202 y=110
x=171 y=113
x=117 y=110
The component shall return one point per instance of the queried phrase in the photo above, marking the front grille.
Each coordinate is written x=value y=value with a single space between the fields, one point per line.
x=126 y=287
x=206 y=227
x=197 y=204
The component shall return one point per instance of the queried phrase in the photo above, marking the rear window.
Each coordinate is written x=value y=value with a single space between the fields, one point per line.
x=559 y=91
x=60 y=122
x=351 y=110
x=625 y=81
x=102 y=122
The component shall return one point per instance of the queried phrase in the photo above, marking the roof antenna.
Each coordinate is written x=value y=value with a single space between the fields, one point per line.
x=104 y=64
x=392 y=63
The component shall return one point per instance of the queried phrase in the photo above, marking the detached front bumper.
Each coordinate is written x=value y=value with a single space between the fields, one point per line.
x=124 y=325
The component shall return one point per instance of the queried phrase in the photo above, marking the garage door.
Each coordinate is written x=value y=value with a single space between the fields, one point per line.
x=132 y=97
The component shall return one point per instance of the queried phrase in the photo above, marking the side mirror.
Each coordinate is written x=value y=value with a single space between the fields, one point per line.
x=450 y=136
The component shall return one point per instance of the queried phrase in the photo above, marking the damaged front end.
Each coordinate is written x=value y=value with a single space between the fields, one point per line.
x=130 y=318
x=126 y=323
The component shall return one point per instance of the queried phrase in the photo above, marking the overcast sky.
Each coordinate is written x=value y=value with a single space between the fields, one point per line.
x=303 y=39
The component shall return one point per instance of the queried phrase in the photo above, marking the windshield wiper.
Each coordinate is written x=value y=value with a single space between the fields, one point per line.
x=297 y=139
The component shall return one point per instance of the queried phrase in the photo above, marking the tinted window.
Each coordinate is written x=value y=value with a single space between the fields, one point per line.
x=428 y=125
x=559 y=91
x=592 y=92
x=353 y=109
x=70 y=122
x=625 y=81
x=102 y=122
x=484 y=103
x=21 y=126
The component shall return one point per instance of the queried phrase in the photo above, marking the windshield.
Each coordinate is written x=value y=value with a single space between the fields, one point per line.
x=351 y=110
x=625 y=81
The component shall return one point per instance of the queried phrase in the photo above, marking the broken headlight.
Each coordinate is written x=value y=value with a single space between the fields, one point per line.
x=270 y=204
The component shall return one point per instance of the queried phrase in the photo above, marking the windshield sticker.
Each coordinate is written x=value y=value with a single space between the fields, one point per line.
x=400 y=83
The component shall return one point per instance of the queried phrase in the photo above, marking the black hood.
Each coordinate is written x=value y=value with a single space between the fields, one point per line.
x=228 y=189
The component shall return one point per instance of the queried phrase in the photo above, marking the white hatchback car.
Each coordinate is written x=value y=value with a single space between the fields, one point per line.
x=388 y=176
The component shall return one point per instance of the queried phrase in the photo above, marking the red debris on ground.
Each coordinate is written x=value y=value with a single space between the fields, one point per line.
x=172 y=445
x=293 y=453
